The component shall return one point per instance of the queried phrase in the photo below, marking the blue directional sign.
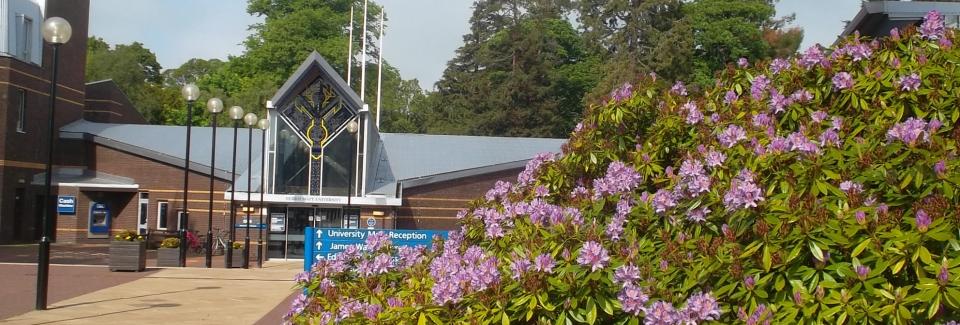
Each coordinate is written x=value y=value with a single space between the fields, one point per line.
x=324 y=243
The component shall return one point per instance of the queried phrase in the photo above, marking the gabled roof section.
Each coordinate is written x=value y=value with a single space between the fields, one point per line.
x=314 y=66
x=420 y=159
x=165 y=143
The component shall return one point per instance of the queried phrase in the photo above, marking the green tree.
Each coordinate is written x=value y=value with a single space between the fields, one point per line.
x=135 y=70
x=522 y=71
x=726 y=30
x=636 y=37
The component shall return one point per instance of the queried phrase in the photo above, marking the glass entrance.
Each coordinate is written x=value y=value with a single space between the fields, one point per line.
x=288 y=224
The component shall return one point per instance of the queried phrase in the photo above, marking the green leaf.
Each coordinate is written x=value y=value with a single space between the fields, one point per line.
x=423 y=319
x=934 y=307
x=766 y=258
x=815 y=250
x=591 y=312
x=859 y=249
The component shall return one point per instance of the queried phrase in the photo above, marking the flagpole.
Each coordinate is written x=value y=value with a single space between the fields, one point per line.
x=363 y=55
x=380 y=69
x=350 y=48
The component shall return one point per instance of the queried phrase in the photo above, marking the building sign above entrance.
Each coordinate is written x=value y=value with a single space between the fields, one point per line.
x=324 y=243
x=317 y=199
x=314 y=199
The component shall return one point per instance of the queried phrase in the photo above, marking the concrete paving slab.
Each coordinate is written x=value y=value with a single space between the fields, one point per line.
x=177 y=296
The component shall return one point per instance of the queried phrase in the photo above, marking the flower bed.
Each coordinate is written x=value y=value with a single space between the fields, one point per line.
x=819 y=189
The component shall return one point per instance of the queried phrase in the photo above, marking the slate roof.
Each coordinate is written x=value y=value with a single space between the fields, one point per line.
x=165 y=143
x=404 y=157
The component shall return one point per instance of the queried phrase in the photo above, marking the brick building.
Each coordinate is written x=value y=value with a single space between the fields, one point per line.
x=408 y=181
x=112 y=171
x=25 y=70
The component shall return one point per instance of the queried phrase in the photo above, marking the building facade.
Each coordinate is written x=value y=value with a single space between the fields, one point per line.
x=25 y=73
x=114 y=172
x=307 y=169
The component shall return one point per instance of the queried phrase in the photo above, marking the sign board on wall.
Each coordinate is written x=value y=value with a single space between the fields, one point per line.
x=324 y=243
x=67 y=204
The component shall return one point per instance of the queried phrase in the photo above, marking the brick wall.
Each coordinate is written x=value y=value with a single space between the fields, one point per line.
x=163 y=183
x=23 y=154
x=435 y=206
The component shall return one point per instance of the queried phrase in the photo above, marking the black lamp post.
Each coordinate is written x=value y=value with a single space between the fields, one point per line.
x=214 y=106
x=251 y=120
x=263 y=124
x=190 y=92
x=236 y=113
x=352 y=129
x=56 y=31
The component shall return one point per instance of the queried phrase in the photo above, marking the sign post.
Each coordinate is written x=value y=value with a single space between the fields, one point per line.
x=325 y=243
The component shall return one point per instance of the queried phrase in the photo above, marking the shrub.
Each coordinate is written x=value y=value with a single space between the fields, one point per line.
x=127 y=235
x=170 y=242
x=820 y=189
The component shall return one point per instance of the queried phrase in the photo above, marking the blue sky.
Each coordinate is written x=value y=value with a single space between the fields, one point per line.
x=422 y=35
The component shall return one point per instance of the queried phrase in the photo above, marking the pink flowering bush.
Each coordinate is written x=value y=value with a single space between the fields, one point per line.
x=818 y=189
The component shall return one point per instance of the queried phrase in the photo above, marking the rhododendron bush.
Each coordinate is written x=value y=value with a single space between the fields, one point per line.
x=821 y=188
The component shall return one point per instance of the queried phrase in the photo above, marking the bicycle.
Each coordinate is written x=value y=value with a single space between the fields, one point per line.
x=219 y=244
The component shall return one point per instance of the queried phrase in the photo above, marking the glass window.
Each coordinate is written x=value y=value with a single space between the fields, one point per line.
x=24 y=36
x=143 y=213
x=162 y=209
x=21 y=110
x=292 y=162
x=338 y=165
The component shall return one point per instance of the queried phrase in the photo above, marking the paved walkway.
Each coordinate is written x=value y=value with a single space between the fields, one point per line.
x=177 y=296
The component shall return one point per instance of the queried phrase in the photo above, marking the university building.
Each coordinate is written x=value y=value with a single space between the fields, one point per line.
x=114 y=172
x=322 y=162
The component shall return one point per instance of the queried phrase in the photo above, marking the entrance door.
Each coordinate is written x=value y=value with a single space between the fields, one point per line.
x=277 y=234
x=297 y=221
x=143 y=214
x=327 y=218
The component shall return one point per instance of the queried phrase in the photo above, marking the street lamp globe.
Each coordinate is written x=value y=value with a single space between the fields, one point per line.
x=236 y=112
x=56 y=30
x=263 y=124
x=214 y=105
x=352 y=127
x=250 y=119
x=190 y=92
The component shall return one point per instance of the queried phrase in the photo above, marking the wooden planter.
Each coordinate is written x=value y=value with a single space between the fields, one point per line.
x=237 y=258
x=168 y=257
x=128 y=255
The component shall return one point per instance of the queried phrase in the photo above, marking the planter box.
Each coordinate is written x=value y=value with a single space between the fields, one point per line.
x=128 y=255
x=237 y=258
x=168 y=257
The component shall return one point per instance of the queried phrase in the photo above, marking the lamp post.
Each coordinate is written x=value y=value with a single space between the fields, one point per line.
x=190 y=92
x=263 y=124
x=251 y=120
x=56 y=31
x=352 y=129
x=214 y=106
x=236 y=113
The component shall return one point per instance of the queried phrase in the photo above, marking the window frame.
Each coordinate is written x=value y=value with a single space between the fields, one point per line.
x=24 y=35
x=162 y=205
x=21 y=110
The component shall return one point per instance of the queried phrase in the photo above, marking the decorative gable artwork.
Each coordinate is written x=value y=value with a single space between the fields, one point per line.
x=316 y=105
